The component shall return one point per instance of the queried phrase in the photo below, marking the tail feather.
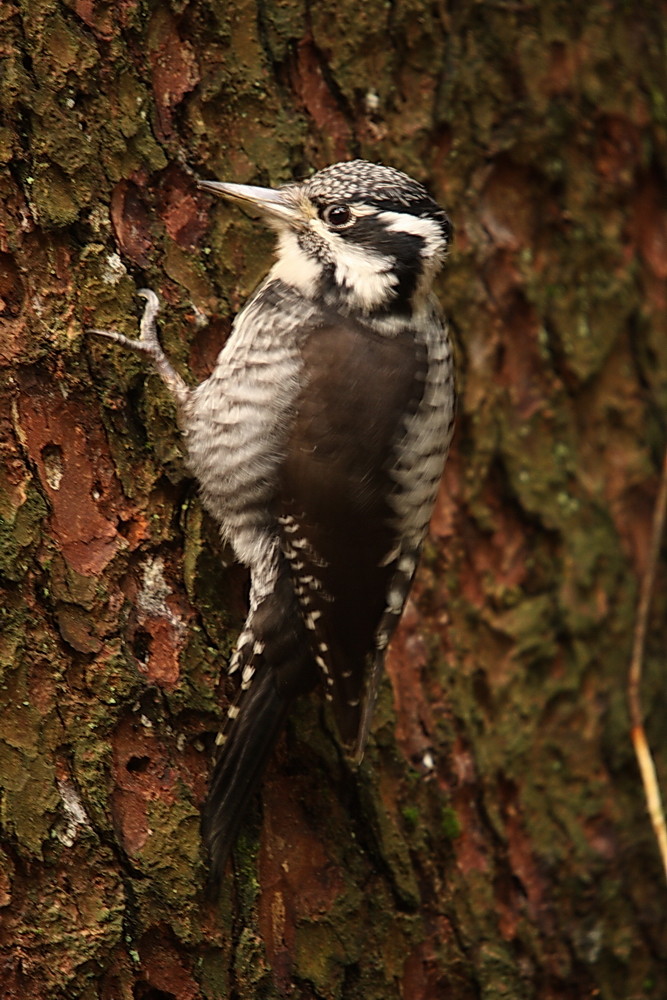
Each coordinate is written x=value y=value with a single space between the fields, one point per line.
x=237 y=771
x=276 y=665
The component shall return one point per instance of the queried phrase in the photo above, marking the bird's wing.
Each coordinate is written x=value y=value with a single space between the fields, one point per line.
x=340 y=533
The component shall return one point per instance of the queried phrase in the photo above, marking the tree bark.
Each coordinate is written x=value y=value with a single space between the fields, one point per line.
x=495 y=843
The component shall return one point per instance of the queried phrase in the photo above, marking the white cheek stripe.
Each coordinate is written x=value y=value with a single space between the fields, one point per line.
x=368 y=276
x=427 y=229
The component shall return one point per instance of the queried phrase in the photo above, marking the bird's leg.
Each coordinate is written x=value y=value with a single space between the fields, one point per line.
x=148 y=343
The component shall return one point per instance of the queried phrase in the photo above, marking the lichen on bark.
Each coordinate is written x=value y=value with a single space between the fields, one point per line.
x=496 y=842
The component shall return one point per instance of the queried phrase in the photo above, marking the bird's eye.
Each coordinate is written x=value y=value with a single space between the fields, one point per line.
x=336 y=215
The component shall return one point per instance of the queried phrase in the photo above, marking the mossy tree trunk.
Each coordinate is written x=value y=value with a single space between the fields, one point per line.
x=495 y=843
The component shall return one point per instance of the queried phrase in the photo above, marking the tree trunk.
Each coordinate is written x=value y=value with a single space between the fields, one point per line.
x=495 y=843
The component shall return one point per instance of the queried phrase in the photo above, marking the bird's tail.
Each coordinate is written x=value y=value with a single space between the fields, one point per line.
x=238 y=769
x=275 y=665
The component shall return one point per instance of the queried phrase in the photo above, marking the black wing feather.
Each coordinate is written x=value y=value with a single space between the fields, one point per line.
x=340 y=532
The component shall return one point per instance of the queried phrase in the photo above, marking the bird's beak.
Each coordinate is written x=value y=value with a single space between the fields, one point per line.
x=270 y=202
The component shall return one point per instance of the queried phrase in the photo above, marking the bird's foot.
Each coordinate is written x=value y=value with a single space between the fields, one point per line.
x=148 y=343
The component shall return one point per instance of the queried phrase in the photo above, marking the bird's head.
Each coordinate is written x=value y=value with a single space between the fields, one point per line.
x=365 y=238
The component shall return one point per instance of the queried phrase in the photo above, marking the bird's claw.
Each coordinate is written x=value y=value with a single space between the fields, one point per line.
x=148 y=343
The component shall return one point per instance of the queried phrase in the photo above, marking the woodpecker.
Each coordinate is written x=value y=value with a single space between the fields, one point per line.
x=318 y=442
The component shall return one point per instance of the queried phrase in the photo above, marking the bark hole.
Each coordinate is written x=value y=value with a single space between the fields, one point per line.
x=137 y=765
